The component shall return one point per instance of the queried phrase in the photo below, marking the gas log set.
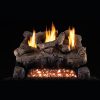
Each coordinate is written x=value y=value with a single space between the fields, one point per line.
x=50 y=54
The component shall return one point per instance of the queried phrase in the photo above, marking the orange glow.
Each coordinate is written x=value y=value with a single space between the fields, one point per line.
x=50 y=35
x=53 y=73
x=71 y=38
x=32 y=41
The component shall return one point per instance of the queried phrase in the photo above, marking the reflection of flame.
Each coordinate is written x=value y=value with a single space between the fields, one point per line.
x=50 y=35
x=32 y=41
x=71 y=38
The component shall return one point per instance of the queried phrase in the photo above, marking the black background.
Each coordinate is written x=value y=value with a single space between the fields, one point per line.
x=17 y=17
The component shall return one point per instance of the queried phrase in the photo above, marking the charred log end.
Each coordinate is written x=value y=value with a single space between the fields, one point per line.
x=19 y=72
x=83 y=73
x=27 y=34
x=16 y=53
x=53 y=57
x=82 y=54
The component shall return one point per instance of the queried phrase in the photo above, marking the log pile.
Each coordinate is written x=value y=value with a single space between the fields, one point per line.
x=54 y=54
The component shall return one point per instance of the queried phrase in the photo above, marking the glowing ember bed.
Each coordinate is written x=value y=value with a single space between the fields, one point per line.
x=51 y=55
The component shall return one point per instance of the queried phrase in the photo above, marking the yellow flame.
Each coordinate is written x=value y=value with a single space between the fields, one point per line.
x=50 y=35
x=32 y=41
x=71 y=38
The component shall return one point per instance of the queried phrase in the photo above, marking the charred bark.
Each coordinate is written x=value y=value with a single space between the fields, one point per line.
x=50 y=57
x=19 y=72
x=54 y=54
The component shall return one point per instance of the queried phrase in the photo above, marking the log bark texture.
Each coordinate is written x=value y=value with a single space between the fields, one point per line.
x=51 y=54
x=53 y=58
x=83 y=73
x=54 y=54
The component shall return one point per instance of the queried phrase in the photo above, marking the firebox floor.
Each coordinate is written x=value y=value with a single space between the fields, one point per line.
x=77 y=79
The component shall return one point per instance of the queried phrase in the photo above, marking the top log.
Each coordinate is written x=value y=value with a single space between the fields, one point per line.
x=61 y=43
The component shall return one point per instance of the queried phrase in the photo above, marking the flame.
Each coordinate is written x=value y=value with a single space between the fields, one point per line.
x=50 y=35
x=71 y=38
x=32 y=41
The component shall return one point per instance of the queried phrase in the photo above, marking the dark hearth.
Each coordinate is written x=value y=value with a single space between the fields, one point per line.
x=58 y=58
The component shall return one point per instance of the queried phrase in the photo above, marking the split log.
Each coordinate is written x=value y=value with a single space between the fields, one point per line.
x=77 y=57
x=83 y=73
x=74 y=58
x=40 y=36
x=24 y=48
x=49 y=50
x=61 y=38
x=24 y=42
x=78 y=40
x=64 y=48
x=57 y=42
x=66 y=32
x=46 y=45
x=66 y=42
x=21 y=51
x=27 y=34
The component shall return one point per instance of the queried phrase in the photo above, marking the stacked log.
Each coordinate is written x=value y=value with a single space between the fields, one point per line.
x=51 y=54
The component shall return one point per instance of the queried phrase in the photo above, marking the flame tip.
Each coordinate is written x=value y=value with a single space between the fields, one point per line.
x=50 y=34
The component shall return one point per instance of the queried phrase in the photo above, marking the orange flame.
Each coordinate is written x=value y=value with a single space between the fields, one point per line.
x=71 y=38
x=32 y=41
x=50 y=35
